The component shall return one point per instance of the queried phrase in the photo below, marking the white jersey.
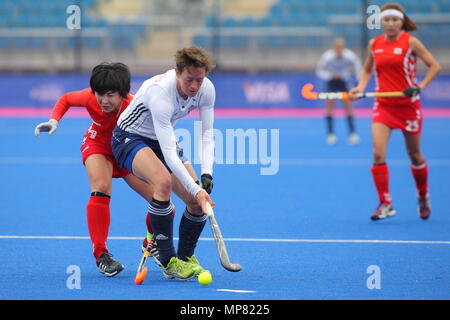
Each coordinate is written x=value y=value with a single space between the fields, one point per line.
x=346 y=66
x=155 y=109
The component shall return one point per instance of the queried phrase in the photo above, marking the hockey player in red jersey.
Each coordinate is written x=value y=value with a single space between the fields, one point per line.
x=394 y=55
x=107 y=97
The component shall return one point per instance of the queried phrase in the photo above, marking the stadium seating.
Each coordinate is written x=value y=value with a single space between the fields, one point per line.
x=317 y=13
x=278 y=13
x=52 y=14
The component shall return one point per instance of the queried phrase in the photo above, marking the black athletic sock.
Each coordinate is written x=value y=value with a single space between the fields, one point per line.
x=351 y=125
x=161 y=219
x=329 y=121
x=191 y=226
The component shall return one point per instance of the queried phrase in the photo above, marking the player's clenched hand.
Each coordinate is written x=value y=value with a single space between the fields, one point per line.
x=207 y=183
x=353 y=93
x=202 y=197
x=50 y=126
x=411 y=91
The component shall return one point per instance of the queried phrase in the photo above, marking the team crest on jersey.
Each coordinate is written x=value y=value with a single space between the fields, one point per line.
x=398 y=50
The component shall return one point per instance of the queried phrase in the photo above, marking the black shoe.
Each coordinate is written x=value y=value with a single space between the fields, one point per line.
x=108 y=266
x=424 y=207
x=154 y=253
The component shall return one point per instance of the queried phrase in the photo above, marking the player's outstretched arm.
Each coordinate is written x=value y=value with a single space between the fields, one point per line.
x=74 y=98
x=206 y=140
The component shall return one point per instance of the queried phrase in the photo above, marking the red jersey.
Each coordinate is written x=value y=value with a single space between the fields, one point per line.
x=97 y=139
x=102 y=123
x=395 y=67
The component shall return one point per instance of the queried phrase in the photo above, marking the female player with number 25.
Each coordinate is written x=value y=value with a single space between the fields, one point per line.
x=394 y=55
x=107 y=97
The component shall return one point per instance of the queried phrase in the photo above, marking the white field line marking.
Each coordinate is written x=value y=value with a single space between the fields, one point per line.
x=355 y=162
x=242 y=239
x=236 y=291
x=318 y=162
x=39 y=160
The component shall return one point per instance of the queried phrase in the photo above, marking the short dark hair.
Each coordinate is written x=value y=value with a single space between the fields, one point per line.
x=113 y=76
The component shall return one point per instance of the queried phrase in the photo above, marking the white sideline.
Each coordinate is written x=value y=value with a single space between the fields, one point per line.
x=236 y=291
x=243 y=240
x=316 y=162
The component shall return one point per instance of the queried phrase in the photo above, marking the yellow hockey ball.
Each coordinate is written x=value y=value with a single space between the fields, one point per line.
x=205 y=278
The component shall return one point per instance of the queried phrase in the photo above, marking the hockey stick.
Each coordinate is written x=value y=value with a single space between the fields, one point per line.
x=221 y=248
x=308 y=93
x=142 y=271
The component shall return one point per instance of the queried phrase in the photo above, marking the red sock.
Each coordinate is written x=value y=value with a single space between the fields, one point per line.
x=98 y=219
x=380 y=174
x=420 y=174
x=149 y=225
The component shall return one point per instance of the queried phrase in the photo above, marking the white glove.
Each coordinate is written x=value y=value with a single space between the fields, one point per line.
x=50 y=126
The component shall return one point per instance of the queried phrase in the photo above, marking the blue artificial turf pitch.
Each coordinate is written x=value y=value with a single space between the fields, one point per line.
x=302 y=233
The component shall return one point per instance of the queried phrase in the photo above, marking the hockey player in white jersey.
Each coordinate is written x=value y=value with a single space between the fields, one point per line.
x=144 y=142
x=337 y=66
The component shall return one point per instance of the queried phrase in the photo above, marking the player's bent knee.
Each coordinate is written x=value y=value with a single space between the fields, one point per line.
x=379 y=158
x=416 y=158
x=101 y=186
x=164 y=185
